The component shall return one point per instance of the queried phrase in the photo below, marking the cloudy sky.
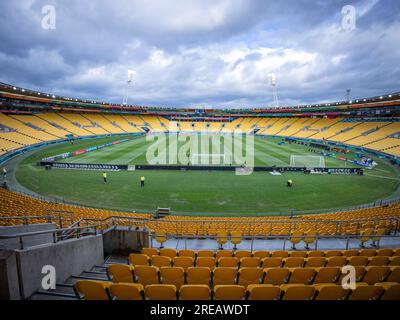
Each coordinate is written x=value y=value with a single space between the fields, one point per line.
x=198 y=53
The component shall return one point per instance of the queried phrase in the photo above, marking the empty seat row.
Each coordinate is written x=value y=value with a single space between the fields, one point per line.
x=273 y=254
x=234 y=262
x=147 y=275
x=100 y=290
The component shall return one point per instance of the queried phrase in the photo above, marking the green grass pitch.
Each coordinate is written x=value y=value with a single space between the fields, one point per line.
x=205 y=193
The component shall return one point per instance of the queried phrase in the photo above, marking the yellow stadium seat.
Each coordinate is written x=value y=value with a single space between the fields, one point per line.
x=276 y=276
x=337 y=261
x=384 y=252
x=93 y=290
x=150 y=252
x=242 y=254
x=194 y=292
x=229 y=292
x=166 y=252
x=296 y=238
x=147 y=275
x=298 y=292
x=298 y=254
x=263 y=292
x=127 y=291
x=222 y=276
x=358 y=261
x=172 y=275
x=315 y=254
x=121 y=273
x=161 y=238
x=327 y=275
x=376 y=274
x=378 y=261
x=198 y=275
x=279 y=254
x=248 y=262
x=331 y=292
x=136 y=259
x=250 y=275
x=160 y=292
x=302 y=276
x=315 y=262
x=222 y=238
x=161 y=261
x=223 y=254
x=261 y=254
x=205 y=253
x=366 y=293
x=236 y=238
x=184 y=262
x=392 y=292
x=271 y=262
x=187 y=253
x=205 y=262
x=293 y=262
x=231 y=262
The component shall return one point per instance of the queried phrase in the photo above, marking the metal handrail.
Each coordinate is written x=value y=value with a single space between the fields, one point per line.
x=266 y=221
x=93 y=229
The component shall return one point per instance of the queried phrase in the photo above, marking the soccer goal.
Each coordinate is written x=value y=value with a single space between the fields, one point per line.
x=205 y=159
x=307 y=161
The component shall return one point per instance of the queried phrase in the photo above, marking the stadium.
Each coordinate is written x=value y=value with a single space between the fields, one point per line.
x=111 y=201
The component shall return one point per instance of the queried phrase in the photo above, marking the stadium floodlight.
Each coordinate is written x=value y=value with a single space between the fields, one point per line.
x=272 y=83
x=131 y=75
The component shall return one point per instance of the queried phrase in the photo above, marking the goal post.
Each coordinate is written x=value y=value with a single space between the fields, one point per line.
x=307 y=161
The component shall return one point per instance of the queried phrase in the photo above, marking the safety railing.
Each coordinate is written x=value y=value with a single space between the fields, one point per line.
x=57 y=234
x=251 y=240
x=180 y=226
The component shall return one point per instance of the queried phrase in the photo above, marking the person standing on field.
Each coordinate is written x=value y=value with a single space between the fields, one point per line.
x=4 y=173
x=142 y=179
x=105 y=177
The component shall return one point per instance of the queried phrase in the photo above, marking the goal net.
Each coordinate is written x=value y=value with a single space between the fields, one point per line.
x=307 y=161
x=209 y=159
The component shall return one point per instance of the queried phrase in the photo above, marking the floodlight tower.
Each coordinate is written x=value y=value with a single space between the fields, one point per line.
x=131 y=74
x=348 y=91
x=272 y=83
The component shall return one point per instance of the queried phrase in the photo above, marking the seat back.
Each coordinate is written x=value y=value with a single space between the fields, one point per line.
x=172 y=275
x=250 y=275
x=248 y=262
x=205 y=262
x=160 y=292
x=93 y=290
x=147 y=275
x=276 y=276
x=229 y=292
x=358 y=261
x=263 y=292
x=315 y=262
x=332 y=292
x=127 y=291
x=161 y=261
x=120 y=273
x=242 y=254
x=392 y=293
x=279 y=254
x=187 y=253
x=376 y=274
x=223 y=253
x=302 y=276
x=294 y=262
x=366 y=293
x=205 y=253
x=272 y=262
x=138 y=259
x=230 y=262
x=198 y=275
x=150 y=251
x=184 y=262
x=224 y=276
x=194 y=292
x=261 y=254
x=167 y=252
x=299 y=293
x=327 y=275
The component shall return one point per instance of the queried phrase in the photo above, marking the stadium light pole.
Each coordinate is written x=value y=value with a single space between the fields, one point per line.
x=131 y=74
x=272 y=83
